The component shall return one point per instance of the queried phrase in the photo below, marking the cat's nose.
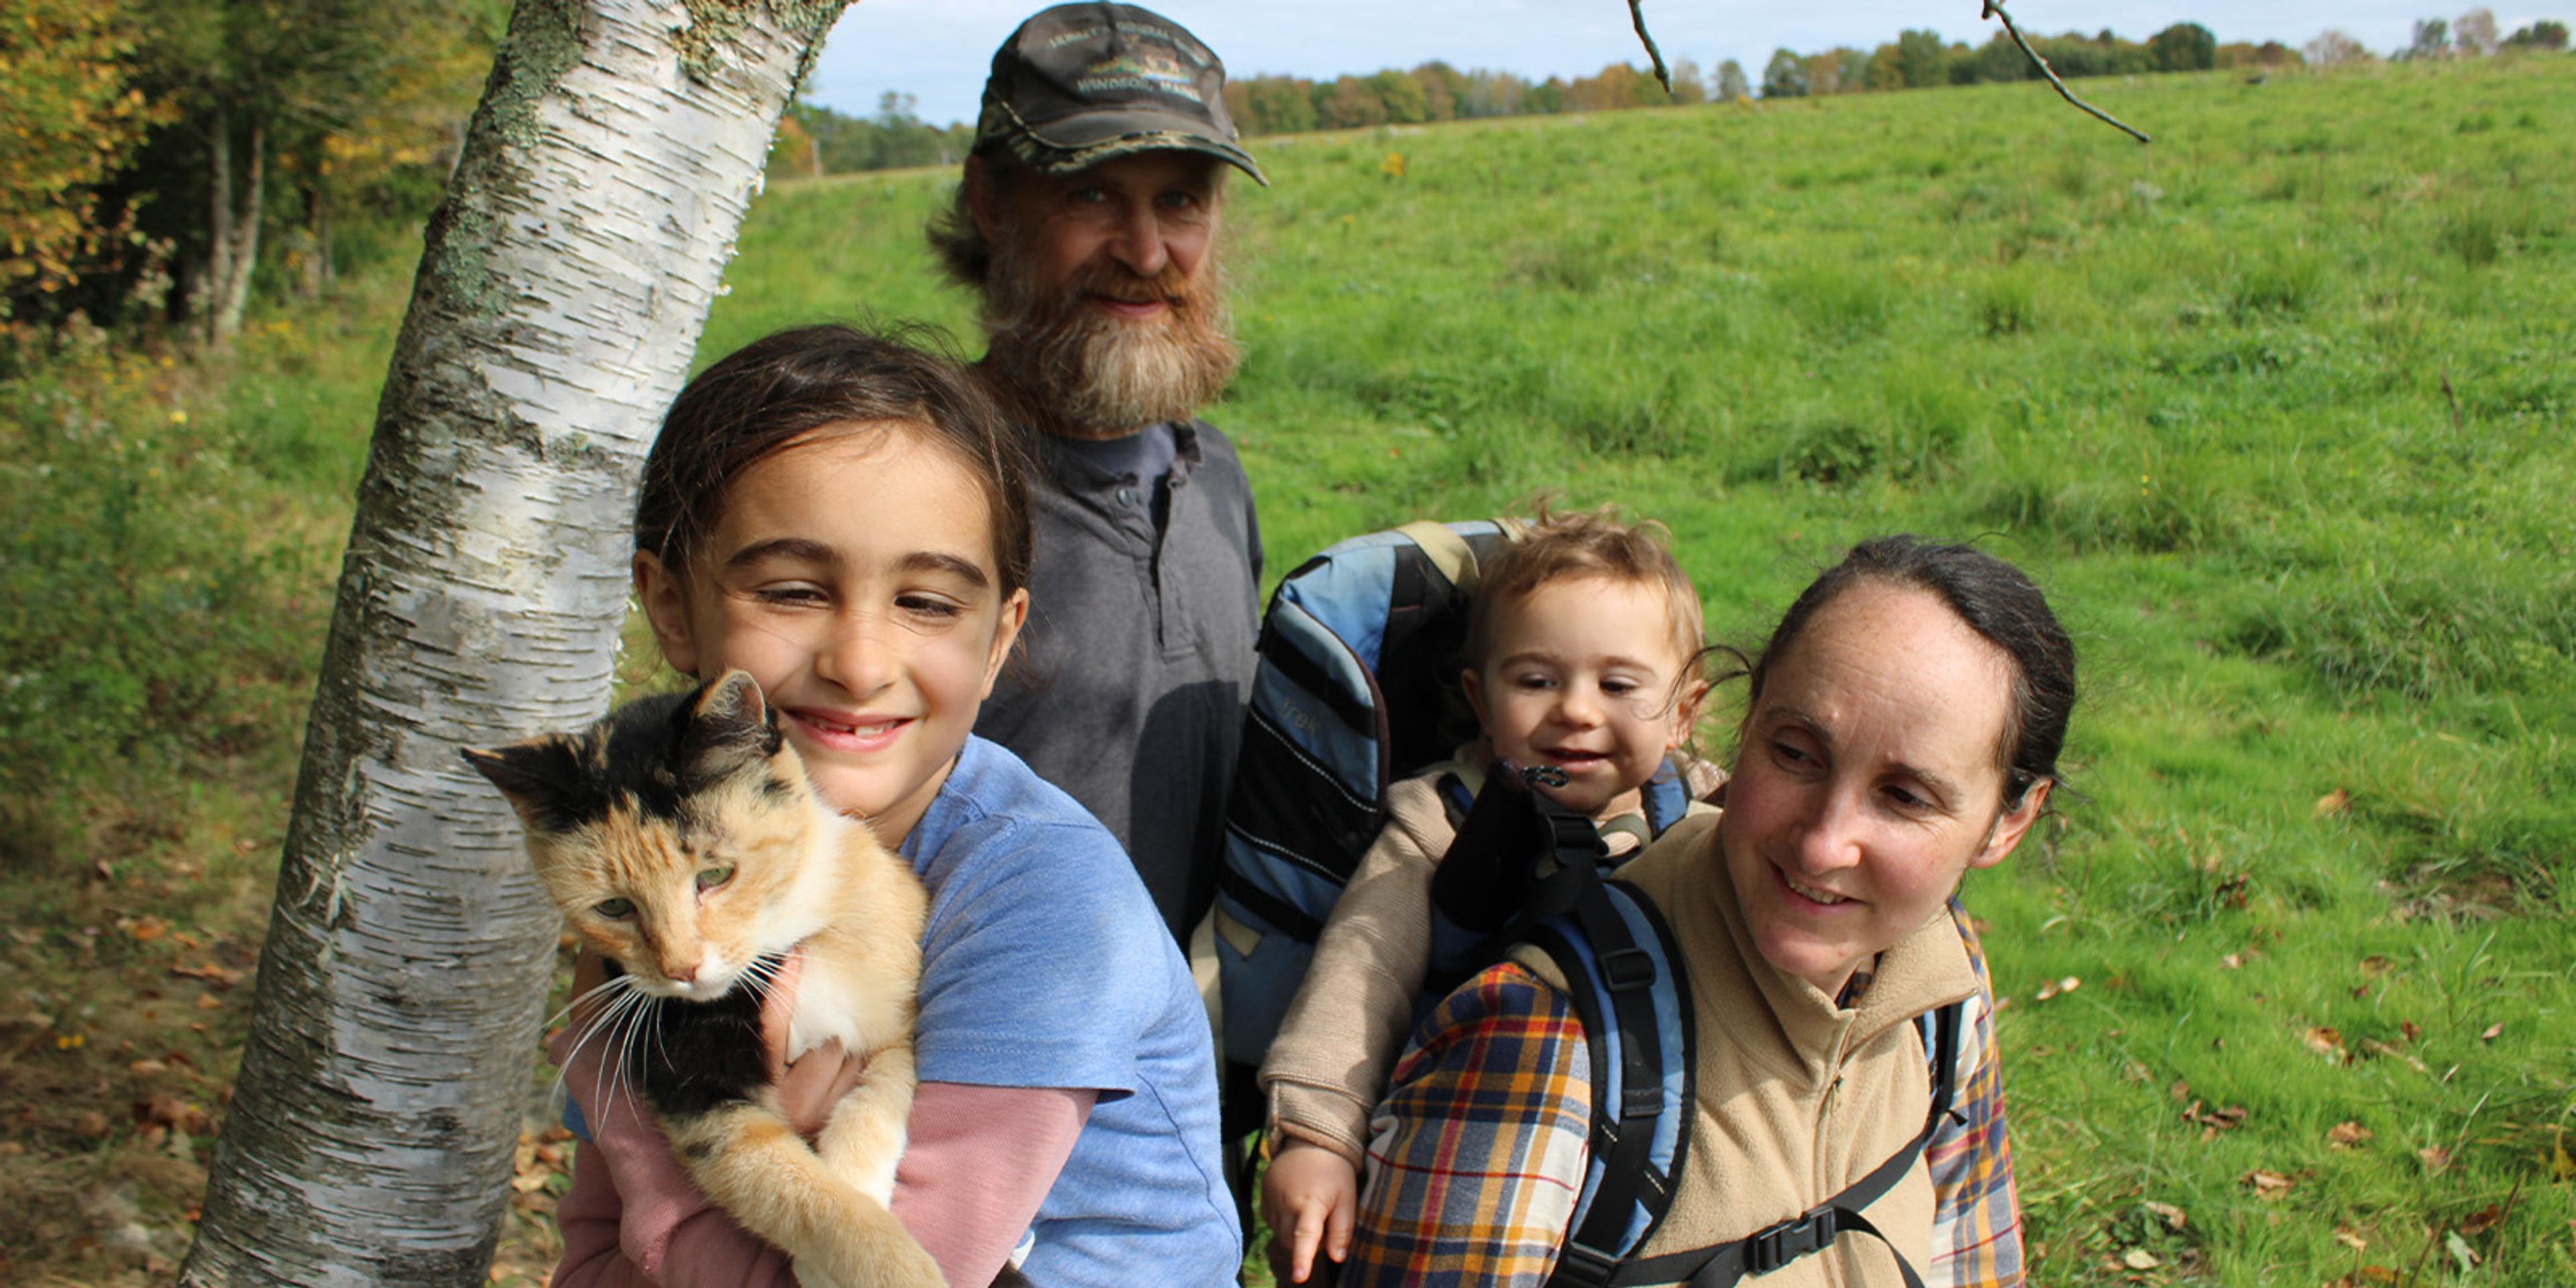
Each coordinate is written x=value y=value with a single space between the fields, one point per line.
x=681 y=973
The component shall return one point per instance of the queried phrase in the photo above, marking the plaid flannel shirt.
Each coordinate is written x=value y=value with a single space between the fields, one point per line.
x=1480 y=1148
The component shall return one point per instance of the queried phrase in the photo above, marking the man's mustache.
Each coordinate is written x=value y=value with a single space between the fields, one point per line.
x=1118 y=282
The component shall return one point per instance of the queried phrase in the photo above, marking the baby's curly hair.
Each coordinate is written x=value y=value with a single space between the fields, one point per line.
x=1570 y=544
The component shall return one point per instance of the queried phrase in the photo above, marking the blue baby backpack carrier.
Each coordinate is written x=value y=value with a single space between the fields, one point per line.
x=1356 y=687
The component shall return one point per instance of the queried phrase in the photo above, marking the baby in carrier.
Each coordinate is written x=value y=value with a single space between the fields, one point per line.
x=1583 y=652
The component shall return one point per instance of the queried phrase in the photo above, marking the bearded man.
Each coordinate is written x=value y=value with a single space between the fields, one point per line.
x=1088 y=220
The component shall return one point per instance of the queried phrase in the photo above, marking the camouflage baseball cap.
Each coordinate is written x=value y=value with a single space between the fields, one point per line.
x=1081 y=83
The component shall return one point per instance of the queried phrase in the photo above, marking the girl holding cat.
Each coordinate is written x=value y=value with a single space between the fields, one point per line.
x=845 y=518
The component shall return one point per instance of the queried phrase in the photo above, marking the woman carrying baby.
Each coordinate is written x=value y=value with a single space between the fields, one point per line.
x=1902 y=727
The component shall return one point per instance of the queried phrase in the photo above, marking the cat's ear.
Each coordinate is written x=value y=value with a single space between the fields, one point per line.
x=730 y=723
x=538 y=776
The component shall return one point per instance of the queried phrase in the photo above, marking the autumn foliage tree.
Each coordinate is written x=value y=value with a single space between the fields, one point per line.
x=69 y=118
x=268 y=117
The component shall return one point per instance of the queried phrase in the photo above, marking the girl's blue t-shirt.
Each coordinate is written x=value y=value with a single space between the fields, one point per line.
x=1045 y=964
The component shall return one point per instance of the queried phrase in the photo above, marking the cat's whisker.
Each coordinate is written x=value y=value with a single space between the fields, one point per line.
x=583 y=1002
x=612 y=1026
x=630 y=1020
x=659 y=1052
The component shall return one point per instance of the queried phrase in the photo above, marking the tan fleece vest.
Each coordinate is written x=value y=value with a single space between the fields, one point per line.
x=1796 y=1097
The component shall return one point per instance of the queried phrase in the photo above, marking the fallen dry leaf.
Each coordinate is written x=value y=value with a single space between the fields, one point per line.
x=2230 y=961
x=2374 y=966
x=209 y=1002
x=89 y=1123
x=2482 y=1220
x=2166 y=1212
x=168 y=1111
x=219 y=976
x=2332 y=803
x=2345 y=1135
x=2265 y=1184
x=2344 y=1235
x=2326 y=1042
x=2561 y=1166
x=2180 y=1091
x=147 y=1068
x=2407 y=1027
x=2139 y=1259
x=2493 y=1032
x=2214 y=1121
x=2437 y=1160
x=2066 y=985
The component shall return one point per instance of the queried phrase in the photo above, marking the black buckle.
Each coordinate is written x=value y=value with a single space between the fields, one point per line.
x=1582 y=1267
x=1778 y=1245
x=1626 y=968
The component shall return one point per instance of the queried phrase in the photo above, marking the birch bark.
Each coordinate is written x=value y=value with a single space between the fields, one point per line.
x=564 y=282
x=239 y=227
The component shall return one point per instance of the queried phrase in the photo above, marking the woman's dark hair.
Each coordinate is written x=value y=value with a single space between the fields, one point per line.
x=772 y=393
x=1996 y=601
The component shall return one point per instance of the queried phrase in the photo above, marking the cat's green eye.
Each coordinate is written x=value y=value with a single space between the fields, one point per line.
x=713 y=877
x=614 y=909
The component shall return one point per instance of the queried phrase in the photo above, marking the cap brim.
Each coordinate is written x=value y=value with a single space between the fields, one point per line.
x=1086 y=139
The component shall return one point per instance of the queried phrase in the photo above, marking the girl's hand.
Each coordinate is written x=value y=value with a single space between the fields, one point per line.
x=809 y=1087
x=1310 y=1195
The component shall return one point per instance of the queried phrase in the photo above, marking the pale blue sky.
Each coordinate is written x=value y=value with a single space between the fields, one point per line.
x=938 y=50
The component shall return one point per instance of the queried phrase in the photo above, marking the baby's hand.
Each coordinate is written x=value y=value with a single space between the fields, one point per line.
x=1310 y=1195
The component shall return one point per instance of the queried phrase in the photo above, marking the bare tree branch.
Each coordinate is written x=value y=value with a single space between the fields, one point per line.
x=1637 y=15
x=1995 y=9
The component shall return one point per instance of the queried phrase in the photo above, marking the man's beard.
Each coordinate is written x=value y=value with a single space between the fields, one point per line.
x=1091 y=375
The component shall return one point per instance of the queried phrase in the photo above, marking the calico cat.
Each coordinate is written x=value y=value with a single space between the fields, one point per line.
x=685 y=846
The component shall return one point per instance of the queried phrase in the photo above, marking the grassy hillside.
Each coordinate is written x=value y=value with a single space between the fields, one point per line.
x=2276 y=408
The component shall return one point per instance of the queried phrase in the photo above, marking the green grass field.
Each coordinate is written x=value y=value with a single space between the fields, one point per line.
x=2276 y=408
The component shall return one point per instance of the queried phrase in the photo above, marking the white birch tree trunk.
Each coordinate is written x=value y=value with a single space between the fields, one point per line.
x=218 y=276
x=564 y=282
x=232 y=293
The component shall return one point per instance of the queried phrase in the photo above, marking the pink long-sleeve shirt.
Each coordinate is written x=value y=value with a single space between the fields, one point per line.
x=979 y=1162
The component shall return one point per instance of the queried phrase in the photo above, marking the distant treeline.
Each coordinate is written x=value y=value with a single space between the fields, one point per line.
x=818 y=140
x=815 y=140
x=1436 y=91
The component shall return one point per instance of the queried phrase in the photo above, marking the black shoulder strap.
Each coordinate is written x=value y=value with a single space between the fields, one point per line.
x=1623 y=1130
x=1815 y=1229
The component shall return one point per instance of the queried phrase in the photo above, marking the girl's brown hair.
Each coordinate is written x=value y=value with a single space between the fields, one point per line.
x=772 y=393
